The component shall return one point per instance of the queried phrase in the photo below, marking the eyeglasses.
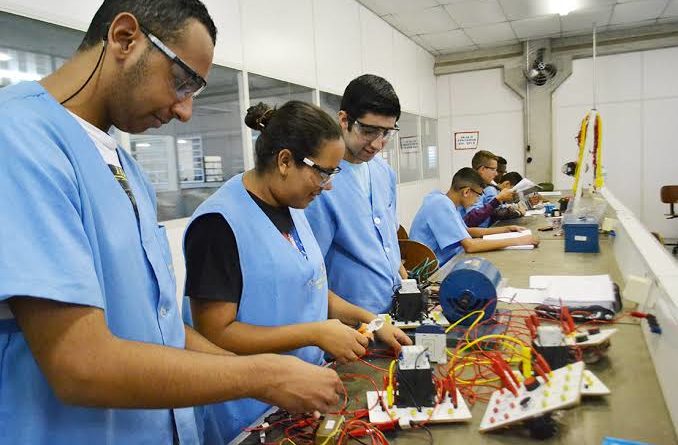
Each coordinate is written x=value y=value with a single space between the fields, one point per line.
x=490 y=168
x=187 y=83
x=326 y=174
x=477 y=193
x=372 y=132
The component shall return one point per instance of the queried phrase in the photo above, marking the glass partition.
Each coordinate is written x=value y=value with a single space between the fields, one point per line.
x=429 y=145
x=409 y=148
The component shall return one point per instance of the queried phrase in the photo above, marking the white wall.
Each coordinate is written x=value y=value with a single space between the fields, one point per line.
x=638 y=102
x=478 y=101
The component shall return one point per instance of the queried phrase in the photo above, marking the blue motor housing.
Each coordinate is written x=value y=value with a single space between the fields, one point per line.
x=471 y=285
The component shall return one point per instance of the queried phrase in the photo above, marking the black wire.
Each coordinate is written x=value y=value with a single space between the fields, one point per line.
x=416 y=360
x=425 y=428
x=101 y=56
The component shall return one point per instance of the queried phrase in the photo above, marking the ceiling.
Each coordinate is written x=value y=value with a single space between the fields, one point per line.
x=450 y=26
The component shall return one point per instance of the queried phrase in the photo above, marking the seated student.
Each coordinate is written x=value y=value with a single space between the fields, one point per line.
x=509 y=210
x=509 y=180
x=255 y=272
x=501 y=169
x=438 y=223
x=480 y=213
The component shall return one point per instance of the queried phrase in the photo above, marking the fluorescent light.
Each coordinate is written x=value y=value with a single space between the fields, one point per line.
x=182 y=141
x=4 y=57
x=143 y=144
x=563 y=7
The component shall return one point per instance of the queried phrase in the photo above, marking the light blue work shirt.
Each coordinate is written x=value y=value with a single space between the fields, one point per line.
x=439 y=225
x=358 y=237
x=489 y=193
x=281 y=286
x=69 y=234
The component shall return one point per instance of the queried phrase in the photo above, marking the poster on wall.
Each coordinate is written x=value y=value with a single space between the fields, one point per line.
x=466 y=140
x=409 y=144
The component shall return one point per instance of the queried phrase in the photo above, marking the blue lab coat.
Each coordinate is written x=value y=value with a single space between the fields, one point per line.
x=281 y=286
x=358 y=237
x=69 y=234
x=439 y=225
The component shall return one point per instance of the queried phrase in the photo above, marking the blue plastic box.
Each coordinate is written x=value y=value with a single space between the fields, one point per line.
x=615 y=441
x=581 y=234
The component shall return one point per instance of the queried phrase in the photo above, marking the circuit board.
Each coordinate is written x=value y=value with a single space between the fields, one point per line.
x=444 y=412
x=591 y=385
x=434 y=317
x=563 y=390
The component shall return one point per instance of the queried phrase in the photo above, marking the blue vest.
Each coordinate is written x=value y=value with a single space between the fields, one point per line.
x=359 y=238
x=69 y=234
x=280 y=285
x=439 y=225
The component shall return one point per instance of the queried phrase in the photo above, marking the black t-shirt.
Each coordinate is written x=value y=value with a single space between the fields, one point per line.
x=212 y=259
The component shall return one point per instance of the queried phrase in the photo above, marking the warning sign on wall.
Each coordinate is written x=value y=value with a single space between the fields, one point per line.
x=466 y=140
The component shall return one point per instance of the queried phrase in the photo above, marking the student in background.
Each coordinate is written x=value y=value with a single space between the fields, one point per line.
x=255 y=273
x=501 y=169
x=480 y=213
x=439 y=225
x=356 y=225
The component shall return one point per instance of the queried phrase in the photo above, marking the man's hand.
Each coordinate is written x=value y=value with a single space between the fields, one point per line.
x=394 y=337
x=505 y=195
x=297 y=386
x=515 y=229
x=343 y=342
x=525 y=240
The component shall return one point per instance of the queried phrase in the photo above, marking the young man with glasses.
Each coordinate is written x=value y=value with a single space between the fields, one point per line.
x=94 y=348
x=356 y=223
x=480 y=214
x=439 y=225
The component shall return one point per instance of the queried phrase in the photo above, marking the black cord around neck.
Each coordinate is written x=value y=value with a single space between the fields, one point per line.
x=101 y=56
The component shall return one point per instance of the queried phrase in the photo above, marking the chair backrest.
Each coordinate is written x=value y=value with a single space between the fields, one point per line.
x=413 y=253
x=669 y=194
x=402 y=233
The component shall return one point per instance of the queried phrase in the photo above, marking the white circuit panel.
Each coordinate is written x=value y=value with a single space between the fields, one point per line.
x=563 y=390
x=591 y=385
x=444 y=412
x=435 y=317
x=594 y=339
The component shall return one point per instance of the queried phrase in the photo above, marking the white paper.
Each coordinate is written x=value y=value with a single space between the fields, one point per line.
x=508 y=235
x=554 y=193
x=583 y=290
x=524 y=184
x=522 y=296
x=534 y=212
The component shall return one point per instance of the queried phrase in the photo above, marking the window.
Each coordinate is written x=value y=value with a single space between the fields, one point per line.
x=409 y=148
x=200 y=154
x=330 y=103
x=23 y=52
x=429 y=144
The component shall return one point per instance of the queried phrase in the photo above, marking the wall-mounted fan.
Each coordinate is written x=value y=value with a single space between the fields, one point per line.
x=538 y=70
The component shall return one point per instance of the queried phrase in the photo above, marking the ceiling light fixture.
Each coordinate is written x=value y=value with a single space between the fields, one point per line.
x=4 y=57
x=563 y=7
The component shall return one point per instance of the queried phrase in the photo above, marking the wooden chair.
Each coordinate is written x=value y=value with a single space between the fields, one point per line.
x=413 y=253
x=669 y=195
x=402 y=233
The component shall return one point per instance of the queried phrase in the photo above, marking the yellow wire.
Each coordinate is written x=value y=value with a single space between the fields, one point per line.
x=454 y=325
x=334 y=433
x=390 y=373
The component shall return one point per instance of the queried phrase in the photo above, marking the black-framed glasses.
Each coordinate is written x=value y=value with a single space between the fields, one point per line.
x=477 y=193
x=372 y=132
x=326 y=174
x=187 y=83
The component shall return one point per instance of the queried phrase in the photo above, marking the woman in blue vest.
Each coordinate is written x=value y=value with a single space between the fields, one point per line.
x=255 y=273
